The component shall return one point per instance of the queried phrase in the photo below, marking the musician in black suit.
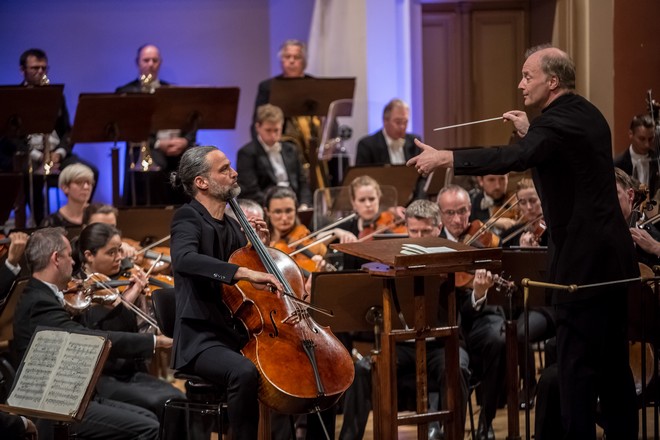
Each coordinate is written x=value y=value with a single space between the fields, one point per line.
x=568 y=147
x=11 y=268
x=267 y=162
x=640 y=160
x=48 y=255
x=391 y=145
x=293 y=60
x=34 y=67
x=15 y=427
x=166 y=146
x=207 y=339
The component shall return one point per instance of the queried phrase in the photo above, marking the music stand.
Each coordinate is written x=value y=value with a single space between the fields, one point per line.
x=193 y=108
x=393 y=265
x=26 y=110
x=310 y=97
x=403 y=178
x=108 y=117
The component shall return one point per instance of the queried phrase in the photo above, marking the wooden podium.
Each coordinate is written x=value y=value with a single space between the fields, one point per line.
x=393 y=264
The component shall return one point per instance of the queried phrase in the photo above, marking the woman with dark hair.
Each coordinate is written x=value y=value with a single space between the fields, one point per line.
x=98 y=251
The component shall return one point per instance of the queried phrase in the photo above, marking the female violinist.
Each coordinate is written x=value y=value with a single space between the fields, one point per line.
x=125 y=380
x=530 y=231
x=280 y=208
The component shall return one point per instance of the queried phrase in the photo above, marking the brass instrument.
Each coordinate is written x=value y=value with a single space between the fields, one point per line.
x=143 y=161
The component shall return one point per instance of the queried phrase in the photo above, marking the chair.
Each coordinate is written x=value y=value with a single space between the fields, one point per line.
x=204 y=398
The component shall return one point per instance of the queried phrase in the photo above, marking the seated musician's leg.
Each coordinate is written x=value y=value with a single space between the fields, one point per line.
x=357 y=402
x=227 y=368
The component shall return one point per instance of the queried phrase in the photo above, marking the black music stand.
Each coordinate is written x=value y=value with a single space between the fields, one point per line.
x=310 y=97
x=108 y=117
x=193 y=108
x=403 y=178
x=28 y=110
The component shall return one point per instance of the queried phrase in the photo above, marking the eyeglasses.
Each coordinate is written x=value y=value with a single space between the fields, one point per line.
x=460 y=212
x=83 y=182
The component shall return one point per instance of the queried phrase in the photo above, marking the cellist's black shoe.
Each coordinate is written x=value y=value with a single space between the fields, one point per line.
x=484 y=433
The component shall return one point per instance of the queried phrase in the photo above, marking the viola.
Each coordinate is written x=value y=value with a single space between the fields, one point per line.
x=484 y=239
x=303 y=366
x=386 y=222
x=304 y=259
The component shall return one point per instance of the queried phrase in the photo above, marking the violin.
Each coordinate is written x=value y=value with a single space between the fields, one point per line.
x=386 y=222
x=303 y=366
x=80 y=294
x=475 y=235
x=157 y=259
x=304 y=259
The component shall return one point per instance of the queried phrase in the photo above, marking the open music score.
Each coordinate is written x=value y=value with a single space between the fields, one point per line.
x=57 y=375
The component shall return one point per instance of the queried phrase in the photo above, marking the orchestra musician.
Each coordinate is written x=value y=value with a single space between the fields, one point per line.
x=482 y=324
x=77 y=183
x=422 y=220
x=392 y=144
x=11 y=268
x=98 y=251
x=293 y=60
x=568 y=147
x=165 y=146
x=49 y=256
x=266 y=161
x=34 y=68
x=530 y=231
x=640 y=160
x=492 y=196
x=207 y=339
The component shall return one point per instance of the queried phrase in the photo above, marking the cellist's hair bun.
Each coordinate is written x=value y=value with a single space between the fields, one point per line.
x=175 y=180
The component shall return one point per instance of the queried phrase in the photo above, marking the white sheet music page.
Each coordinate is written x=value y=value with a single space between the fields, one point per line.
x=56 y=371
x=415 y=249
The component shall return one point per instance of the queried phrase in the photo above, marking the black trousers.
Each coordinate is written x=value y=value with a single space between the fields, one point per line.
x=227 y=368
x=592 y=360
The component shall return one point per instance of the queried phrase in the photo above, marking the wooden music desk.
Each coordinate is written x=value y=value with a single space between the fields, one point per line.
x=393 y=264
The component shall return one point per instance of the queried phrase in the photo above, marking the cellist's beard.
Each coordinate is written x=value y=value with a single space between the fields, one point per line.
x=224 y=193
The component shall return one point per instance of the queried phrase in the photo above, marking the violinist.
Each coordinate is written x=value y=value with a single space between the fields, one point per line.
x=48 y=255
x=530 y=231
x=11 y=267
x=207 y=339
x=108 y=214
x=492 y=196
x=481 y=323
x=98 y=251
x=640 y=160
x=647 y=239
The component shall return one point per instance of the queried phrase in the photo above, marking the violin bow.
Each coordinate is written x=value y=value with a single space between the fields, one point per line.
x=323 y=229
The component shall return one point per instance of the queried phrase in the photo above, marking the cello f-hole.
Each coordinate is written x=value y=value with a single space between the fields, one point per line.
x=272 y=321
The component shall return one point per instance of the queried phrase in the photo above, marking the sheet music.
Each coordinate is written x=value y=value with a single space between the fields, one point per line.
x=56 y=371
x=415 y=249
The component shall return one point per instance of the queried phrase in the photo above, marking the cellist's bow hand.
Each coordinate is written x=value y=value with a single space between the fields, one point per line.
x=261 y=227
x=520 y=121
x=260 y=280
x=429 y=159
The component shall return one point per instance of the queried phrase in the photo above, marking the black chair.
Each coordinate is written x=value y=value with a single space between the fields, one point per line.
x=204 y=398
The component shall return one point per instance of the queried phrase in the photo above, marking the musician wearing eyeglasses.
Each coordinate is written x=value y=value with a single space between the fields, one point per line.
x=49 y=255
x=482 y=324
x=491 y=197
x=45 y=150
x=640 y=160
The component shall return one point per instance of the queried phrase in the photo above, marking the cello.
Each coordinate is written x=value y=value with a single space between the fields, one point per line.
x=303 y=367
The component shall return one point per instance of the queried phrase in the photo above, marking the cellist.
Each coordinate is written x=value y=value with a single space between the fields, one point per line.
x=207 y=340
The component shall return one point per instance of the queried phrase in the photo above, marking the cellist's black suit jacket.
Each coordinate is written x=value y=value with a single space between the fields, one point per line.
x=568 y=148
x=200 y=247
